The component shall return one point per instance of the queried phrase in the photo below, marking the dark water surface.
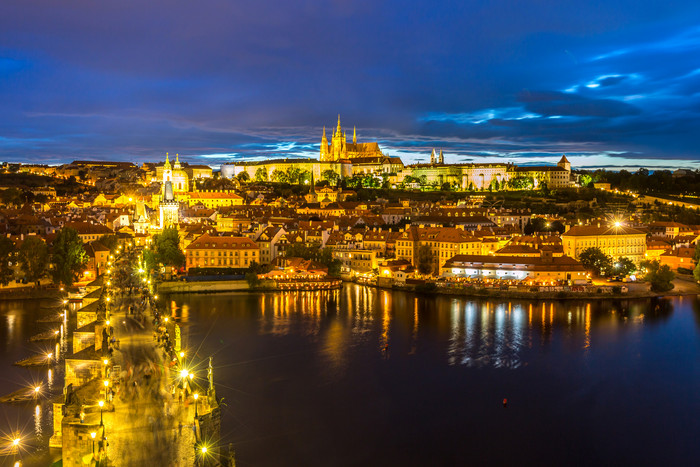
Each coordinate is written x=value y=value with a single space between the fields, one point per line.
x=369 y=377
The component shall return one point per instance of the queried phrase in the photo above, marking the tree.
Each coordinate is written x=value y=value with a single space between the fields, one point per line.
x=325 y=257
x=624 y=266
x=33 y=257
x=243 y=176
x=521 y=183
x=110 y=241
x=69 y=256
x=595 y=260
x=425 y=260
x=167 y=248
x=7 y=258
x=293 y=174
x=278 y=176
x=696 y=272
x=261 y=175
x=331 y=176
x=660 y=276
x=585 y=180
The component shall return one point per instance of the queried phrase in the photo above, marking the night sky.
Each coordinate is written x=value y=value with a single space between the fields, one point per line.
x=610 y=83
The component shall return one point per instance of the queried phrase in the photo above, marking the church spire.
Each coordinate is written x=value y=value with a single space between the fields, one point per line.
x=177 y=161
x=354 y=135
x=441 y=158
x=338 y=130
x=432 y=157
x=167 y=162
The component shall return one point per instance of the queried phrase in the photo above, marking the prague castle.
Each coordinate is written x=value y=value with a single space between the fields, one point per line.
x=347 y=159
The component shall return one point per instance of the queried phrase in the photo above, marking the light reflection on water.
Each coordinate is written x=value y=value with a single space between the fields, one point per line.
x=311 y=373
x=481 y=333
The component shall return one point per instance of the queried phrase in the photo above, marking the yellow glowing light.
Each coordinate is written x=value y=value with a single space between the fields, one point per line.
x=166 y=319
x=101 y=404
x=16 y=441
x=204 y=449
x=184 y=373
x=191 y=375
x=105 y=361
x=107 y=322
x=65 y=301
x=37 y=389
x=106 y=383
x=182 y=354
x=93 y=434
x=49 y=355
x=196 y=396
x=617 y=224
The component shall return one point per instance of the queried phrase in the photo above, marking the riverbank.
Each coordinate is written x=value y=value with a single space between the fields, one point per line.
x=682 y=287
x=28 y=293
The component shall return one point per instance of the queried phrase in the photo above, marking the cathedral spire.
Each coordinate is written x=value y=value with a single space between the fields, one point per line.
x=167 y=162
x=441 y=158
x=338 y=130
x=177 y=161
x=354 y=135
x=432 y=157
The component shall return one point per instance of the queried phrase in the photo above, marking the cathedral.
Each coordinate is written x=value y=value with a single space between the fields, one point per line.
x=339 y=148
x=176 y=175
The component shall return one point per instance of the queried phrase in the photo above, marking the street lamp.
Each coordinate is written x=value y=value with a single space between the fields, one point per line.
x=92 y=435
x=101 y=404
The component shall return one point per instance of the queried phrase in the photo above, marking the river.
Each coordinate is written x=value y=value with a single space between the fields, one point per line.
x=364 y=376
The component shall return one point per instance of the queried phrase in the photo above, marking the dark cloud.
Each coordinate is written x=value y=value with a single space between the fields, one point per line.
x=217 y=79
x=549 y=103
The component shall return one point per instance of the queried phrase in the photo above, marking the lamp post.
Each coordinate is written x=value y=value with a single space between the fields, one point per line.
x=101 y=404
x=196 y=396
x=92 y=435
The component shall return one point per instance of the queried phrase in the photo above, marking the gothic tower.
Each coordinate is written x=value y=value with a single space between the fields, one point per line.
x=324 y=147
x=441 y=158
x=432 y=157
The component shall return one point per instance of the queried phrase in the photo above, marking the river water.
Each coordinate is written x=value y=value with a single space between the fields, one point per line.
x=364 y=376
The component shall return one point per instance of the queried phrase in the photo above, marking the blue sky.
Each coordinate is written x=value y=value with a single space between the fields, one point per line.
x=609 y=83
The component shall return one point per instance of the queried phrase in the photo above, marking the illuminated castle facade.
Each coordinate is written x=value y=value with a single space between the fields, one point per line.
x=339 y=148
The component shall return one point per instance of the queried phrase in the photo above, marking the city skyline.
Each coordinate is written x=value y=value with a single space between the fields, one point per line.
x=215 y=82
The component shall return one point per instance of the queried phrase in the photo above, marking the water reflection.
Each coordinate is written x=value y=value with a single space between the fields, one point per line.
x=472 y=333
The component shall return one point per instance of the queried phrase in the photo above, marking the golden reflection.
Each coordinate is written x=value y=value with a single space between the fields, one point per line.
x=587 y=328
x=334 y=344
x=37 y=421
x=386 y=321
